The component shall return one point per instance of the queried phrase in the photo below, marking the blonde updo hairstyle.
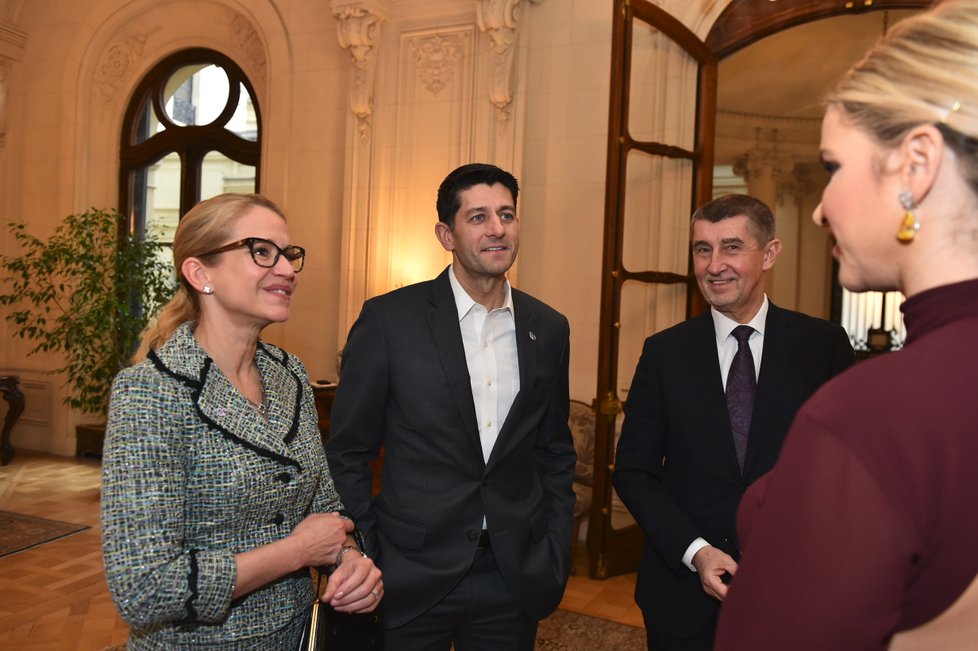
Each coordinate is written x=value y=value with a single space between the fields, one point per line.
x=207 y=226
x=924 y=70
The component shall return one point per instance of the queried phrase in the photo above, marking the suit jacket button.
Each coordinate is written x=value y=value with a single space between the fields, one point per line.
x=278 y=519
x=472 y=535
x=284 y=477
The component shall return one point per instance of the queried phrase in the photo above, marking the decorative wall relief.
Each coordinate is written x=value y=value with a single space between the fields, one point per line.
x=112 y=74
x=436 y=58
x=250 y=44
x=357 y=30
x=12 y=43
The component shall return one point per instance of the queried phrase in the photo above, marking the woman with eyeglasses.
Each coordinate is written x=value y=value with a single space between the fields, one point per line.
x=216 y=497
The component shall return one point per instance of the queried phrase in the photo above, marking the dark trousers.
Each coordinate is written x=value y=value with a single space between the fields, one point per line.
x=662 y=640
x=479 y=614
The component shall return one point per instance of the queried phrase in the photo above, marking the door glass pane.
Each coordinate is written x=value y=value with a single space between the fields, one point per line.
x=662 y=100
x=220 y=174
x=645 y=308
x=656 y=213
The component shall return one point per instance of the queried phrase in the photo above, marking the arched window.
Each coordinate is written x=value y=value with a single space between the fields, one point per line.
x=191 y=131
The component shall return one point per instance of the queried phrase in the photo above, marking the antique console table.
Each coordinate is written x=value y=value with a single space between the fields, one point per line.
x=15 y=405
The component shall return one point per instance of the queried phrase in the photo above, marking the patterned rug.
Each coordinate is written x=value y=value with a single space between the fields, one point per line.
x=567 y=631
x=19 y=532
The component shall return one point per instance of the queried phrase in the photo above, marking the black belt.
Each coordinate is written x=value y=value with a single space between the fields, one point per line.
x=484 y=540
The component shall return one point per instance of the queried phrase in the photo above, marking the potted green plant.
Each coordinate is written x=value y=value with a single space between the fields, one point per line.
x=87 y=292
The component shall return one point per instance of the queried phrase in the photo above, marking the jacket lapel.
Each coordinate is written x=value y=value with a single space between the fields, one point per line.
x=703 y=355
x=219 y=404
x=443 y=321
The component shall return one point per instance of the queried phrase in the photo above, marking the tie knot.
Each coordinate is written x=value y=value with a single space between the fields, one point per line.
x=742 y=333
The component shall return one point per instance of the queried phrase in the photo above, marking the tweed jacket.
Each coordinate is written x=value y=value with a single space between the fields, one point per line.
x=193 y=474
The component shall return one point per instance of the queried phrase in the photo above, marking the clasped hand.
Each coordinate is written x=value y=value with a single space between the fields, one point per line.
x=711 y=564
x=355 y=586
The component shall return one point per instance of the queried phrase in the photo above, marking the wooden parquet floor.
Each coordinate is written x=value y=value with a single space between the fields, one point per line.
x=54 y=597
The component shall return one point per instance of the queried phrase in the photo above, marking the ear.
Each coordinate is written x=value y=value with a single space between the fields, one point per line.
x=919 y=159
x=445 y=236
x=195 y=272
x=771 y=252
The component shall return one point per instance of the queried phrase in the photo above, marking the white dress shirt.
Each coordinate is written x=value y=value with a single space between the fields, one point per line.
x=489 y=339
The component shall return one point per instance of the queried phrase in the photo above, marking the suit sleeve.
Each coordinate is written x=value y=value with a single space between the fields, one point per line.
x=556 y=460
x=358 y=417
x=638 y=475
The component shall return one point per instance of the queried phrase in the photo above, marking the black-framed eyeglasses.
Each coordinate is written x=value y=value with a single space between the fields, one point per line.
x=265 y=253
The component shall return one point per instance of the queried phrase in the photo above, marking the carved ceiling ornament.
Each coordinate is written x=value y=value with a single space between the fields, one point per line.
x=499 y=20
x=436 y=58
x=357 y=30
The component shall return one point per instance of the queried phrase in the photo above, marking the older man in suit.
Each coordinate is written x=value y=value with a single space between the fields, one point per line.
x=463 y=381
x=707 y=411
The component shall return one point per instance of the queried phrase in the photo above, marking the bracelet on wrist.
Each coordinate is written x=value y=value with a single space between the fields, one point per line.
x=343 y=550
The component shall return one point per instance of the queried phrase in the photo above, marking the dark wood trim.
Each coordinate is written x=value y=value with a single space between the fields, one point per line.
x=615 y=551
x=746 y=21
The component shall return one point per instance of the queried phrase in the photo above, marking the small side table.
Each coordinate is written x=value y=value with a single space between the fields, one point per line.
x=15 y=401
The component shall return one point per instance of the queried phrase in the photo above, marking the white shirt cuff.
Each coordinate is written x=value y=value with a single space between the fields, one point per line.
x=694 y=547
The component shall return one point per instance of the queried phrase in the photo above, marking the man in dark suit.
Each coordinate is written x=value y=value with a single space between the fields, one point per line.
x=463 y=381
x=680 y=467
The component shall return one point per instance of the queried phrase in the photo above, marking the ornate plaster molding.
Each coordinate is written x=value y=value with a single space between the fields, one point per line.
x=251 y=46
x=12 y=44
x=764 y=158
x=499 y=20
x=357 y=29
x=117 y=62
x=437 y=58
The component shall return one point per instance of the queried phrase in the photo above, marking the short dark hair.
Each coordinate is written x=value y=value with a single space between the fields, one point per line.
x=463 y=178
x=760 y=219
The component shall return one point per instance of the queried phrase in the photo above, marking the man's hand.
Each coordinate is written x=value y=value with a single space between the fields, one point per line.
x=712 y=564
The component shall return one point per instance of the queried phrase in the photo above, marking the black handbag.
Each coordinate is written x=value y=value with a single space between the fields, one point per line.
x=328 y=629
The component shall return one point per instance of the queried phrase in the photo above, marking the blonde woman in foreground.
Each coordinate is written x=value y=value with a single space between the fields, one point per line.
x=216 y=498
x=863 y=535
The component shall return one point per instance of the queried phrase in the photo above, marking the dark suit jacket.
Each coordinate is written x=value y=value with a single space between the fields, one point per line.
x=405 y=386
x=676 y=470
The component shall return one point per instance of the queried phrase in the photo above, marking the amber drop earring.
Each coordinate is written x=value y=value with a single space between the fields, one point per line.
x=910 y=225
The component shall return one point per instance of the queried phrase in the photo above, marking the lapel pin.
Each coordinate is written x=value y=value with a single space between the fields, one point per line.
x=533 y=336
